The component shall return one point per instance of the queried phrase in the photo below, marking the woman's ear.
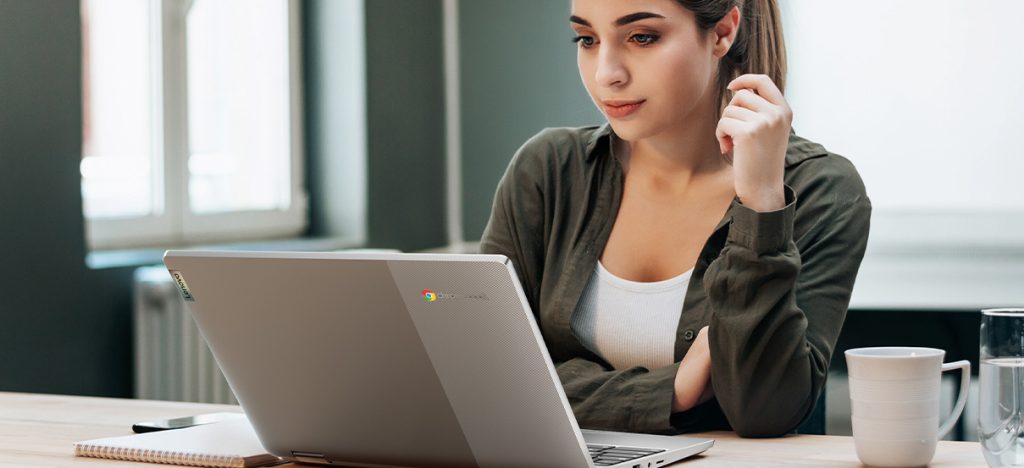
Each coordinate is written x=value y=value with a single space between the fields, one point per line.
x=724 y=33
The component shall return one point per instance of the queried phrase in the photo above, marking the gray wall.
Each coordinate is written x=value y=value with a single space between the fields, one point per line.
x=405 y=168
x=405 y=119
x=65 y=328
x=335 y=117
x=518 y=75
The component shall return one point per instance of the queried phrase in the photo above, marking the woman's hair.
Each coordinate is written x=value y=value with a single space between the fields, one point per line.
x=758 y=48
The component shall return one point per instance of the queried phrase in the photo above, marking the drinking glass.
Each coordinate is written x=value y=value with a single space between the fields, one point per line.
x=1001 y=387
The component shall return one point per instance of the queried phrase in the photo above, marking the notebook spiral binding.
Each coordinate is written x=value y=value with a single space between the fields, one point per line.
x=158 y=456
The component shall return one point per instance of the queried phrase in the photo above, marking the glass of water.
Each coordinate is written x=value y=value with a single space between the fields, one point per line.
x=1001 y=376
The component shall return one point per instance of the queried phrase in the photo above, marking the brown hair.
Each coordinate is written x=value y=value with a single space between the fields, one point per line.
x=758 y=48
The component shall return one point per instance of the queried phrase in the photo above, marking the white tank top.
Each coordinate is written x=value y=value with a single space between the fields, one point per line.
x=630 y=323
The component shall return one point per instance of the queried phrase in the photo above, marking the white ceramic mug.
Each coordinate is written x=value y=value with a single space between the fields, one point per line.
x=894 y=398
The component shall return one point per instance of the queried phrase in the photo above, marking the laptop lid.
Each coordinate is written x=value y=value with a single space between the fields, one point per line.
x=382 y=359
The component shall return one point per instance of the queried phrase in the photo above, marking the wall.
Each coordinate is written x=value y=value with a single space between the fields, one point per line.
x=404 y=167
x=65 y=327
x=335 y=116
x=518 y=76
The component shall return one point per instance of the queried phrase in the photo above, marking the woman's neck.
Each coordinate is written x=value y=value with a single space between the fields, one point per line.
x=690 y=150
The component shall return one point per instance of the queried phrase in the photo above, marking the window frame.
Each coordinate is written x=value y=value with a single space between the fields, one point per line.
x=176 y=223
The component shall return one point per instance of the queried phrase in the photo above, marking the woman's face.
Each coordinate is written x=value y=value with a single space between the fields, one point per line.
x=645 y=64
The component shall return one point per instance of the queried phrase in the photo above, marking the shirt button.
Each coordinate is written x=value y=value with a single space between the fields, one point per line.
x=688 y=335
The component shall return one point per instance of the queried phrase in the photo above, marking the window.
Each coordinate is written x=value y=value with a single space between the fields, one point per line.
x=192 y=121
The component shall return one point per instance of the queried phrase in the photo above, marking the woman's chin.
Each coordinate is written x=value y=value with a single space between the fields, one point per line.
x=629 y=130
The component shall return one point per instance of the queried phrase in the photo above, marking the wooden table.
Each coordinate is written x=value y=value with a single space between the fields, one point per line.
x=39 y=430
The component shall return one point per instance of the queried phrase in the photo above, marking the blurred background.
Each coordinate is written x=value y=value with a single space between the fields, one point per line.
x=132 y=126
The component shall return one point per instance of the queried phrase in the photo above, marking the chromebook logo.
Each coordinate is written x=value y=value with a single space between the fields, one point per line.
x=431 y=296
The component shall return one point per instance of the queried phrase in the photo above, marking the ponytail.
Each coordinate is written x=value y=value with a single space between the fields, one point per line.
x=758 y=47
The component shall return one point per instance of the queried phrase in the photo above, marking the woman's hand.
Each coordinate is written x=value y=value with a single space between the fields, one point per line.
x=755 y=127
x=693 y=379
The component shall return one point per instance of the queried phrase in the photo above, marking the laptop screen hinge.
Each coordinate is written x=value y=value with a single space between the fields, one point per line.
x=309 y=457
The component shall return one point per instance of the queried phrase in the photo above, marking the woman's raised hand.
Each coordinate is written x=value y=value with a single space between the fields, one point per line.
x=755 y=127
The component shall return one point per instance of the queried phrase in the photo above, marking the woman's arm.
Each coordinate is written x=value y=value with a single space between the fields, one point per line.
x=778 y=308
x=778 y=311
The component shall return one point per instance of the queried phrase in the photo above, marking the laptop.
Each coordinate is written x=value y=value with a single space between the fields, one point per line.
x=395 y=359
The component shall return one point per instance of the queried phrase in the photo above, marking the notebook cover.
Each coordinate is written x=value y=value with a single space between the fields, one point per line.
x=222 y=444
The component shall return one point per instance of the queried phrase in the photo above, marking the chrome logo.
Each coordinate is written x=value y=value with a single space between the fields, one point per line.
x=428 y=295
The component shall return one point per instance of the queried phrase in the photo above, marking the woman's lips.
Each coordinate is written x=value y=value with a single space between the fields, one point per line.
x=620 y=109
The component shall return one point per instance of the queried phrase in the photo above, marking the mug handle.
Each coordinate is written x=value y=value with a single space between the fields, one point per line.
x=961 y=399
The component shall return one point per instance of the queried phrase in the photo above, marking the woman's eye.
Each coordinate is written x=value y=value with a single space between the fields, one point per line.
x=584 y=41
x=645 y=39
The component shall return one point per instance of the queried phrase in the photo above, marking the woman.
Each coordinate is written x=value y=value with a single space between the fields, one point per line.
x=691 y=260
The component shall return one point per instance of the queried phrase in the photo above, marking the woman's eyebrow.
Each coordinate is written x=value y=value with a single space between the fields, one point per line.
x=621 y=21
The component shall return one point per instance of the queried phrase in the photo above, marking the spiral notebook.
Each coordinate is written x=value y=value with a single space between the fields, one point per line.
x=222 y=444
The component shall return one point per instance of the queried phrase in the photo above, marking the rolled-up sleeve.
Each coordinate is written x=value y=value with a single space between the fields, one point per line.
x=778 y=305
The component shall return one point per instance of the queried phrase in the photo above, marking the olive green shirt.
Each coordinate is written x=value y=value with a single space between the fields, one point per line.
x=774 y=287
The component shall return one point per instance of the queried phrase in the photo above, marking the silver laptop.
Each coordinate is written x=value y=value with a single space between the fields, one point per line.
x=390 y=359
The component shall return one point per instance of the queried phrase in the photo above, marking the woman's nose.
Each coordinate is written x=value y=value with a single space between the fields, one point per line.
x=611 y=72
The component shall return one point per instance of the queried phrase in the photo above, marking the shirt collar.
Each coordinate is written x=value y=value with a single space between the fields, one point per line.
x=799 y=148
x=601 y=133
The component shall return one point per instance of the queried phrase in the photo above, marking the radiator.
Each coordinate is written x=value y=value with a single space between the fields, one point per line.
x=172 y=360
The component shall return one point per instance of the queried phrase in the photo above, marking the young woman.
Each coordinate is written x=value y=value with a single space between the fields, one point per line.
x=691 y=260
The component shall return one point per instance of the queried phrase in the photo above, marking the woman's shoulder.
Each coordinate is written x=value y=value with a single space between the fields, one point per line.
x=562 y=142
x=568 y=136
x=555 y=149
x=813 y=172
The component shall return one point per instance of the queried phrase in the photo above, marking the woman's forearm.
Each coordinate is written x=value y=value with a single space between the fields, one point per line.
x=693 y=380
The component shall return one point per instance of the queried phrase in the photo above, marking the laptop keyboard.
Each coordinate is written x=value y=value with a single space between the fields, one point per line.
x=608 y=455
